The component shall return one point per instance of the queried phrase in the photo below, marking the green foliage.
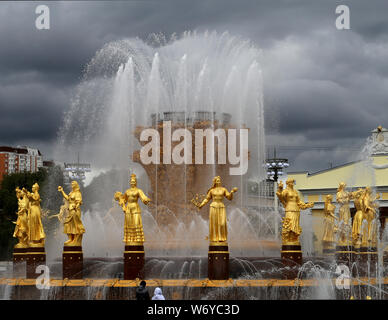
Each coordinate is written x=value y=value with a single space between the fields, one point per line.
x=47 y=180
x=8 y=201
x=7 y=242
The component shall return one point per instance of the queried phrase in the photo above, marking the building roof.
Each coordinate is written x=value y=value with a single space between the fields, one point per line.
x=13 y=150
x=18 y=150
x=324 y=170
x=355 y=174
x=373 y=170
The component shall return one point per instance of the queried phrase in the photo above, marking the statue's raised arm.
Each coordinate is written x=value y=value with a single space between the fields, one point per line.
x=279 y=193
x=229 y=195
x=143 y=197
x=303 y=206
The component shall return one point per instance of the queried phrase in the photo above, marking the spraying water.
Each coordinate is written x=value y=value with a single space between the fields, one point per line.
x=132 y=82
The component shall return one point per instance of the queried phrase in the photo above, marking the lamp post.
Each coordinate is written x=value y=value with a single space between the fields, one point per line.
x=275 y=168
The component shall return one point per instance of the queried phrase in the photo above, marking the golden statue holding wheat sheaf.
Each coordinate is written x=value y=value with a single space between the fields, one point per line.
x=133 y=225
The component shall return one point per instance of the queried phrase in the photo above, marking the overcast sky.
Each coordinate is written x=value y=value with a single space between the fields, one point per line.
x=324 y=89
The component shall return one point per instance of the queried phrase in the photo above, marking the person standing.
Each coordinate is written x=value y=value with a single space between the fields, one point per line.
x=158 y=295
x=142 y=291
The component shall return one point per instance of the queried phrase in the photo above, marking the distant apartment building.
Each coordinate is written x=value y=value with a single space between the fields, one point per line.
x=19 y=159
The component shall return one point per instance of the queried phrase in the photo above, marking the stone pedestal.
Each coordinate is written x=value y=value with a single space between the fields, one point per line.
x=344 y=254
x=356 y=254
x=134 y=262
x=218 y=262
x=19 y=260
x=292 y=258
x=72 y=262
x=35 y=257
x=291 y=255
x=367 y=260
x=368 y=254
x=328 y=249
x=385 y=257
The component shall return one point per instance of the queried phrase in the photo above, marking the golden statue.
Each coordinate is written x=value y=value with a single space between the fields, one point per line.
x=218 y=230
x=329 y=223
x=72 y=223
x=369 y=206
x=343 y=198
x=358 y=218
x=36 y=233
x=21 y=228
x=133 y=226
x=292 y=205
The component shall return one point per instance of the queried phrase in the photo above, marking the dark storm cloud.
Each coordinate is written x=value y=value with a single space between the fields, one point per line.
x=322 y=86
x=328 y=85
x=33 y=115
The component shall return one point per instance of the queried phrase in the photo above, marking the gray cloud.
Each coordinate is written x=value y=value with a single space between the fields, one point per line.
x=322 y=86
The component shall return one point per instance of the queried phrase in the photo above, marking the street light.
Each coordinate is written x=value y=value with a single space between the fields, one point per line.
x=275 y=168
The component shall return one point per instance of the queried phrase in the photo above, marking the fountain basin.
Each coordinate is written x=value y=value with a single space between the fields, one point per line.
x=193 y=289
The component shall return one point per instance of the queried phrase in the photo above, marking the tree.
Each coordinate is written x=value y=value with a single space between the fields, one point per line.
x=48 y=179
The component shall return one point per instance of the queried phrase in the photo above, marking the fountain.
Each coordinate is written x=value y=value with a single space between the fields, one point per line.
x=206 y=82
x=131 y=86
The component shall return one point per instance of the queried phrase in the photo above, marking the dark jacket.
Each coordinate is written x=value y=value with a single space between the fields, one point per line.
x=142 y=293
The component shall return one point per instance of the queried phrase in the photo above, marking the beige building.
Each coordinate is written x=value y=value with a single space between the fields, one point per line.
x=371 y=171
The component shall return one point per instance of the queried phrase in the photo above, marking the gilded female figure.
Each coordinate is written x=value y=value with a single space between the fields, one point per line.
x=292 y=205
x=358 y=218
x=343 y=198
x=21 y=228
x=369 y=206
x=36 y=233
x=72 y=224
x=133 y=226
x=218 y=230
x=329 y=222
